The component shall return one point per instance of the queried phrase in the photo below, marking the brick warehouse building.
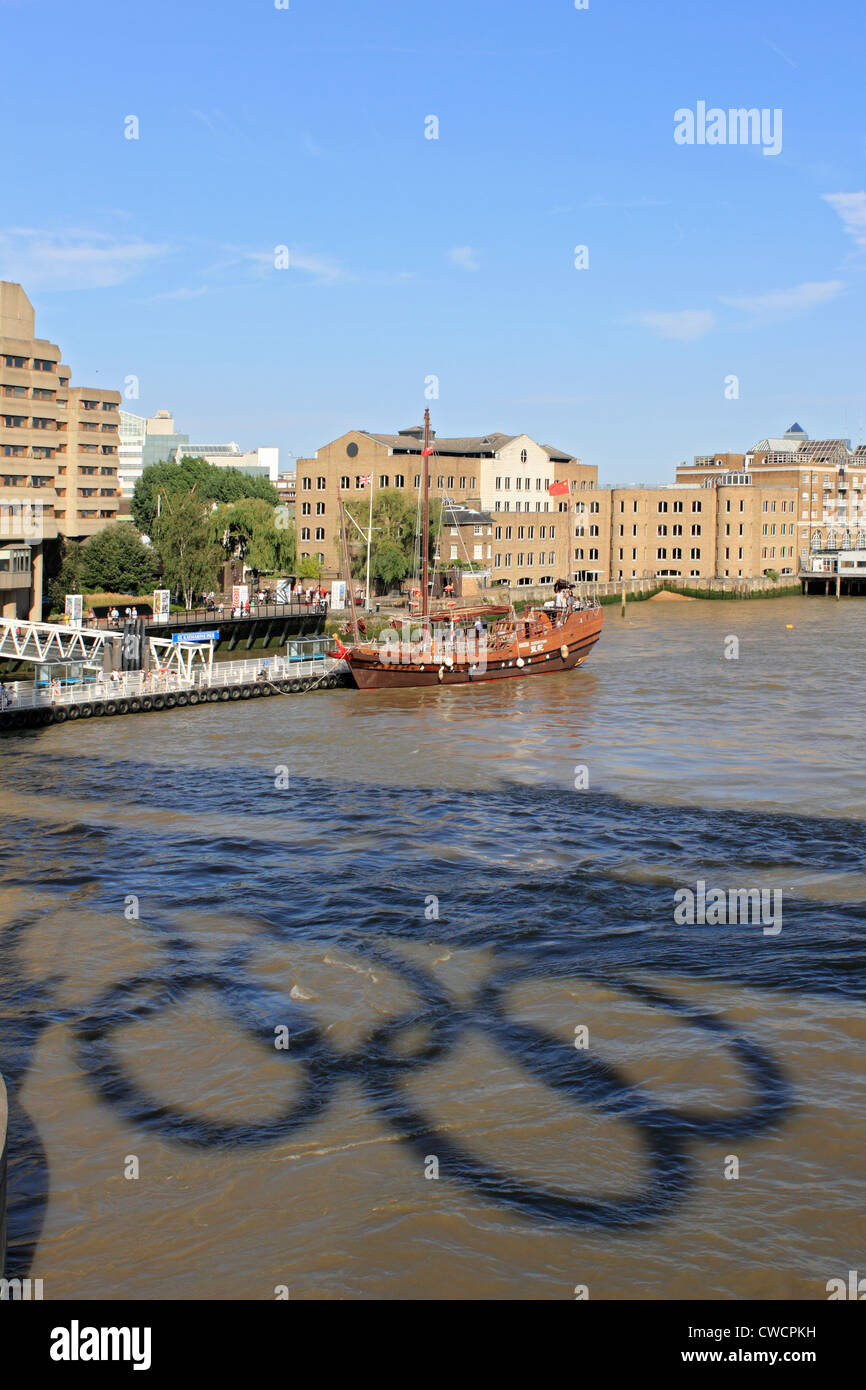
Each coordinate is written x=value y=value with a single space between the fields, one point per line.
x=497 y=474
x=727 y=515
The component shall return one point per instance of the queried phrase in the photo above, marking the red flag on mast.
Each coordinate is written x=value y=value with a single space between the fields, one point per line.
x=558 y=489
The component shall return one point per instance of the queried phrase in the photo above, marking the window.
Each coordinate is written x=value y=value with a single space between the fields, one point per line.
x=519 y=484
x=320 y=509
x=383 y=480
x=305 y=533
x=696 y=530
x=399 y=480
x=306 y=484
x=320 y=533
x=678 y=506
x=523 y=456
x=696 y=506
x=306 y=508
x=344 y=482
x=320 y=484
x=695 y=554
x=663 y=506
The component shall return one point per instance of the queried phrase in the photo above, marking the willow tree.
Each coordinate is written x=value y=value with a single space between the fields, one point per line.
x=253 y=531
x=183 y=536
x=394 y=544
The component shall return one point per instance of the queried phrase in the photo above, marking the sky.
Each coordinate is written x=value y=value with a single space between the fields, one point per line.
x=720 y=295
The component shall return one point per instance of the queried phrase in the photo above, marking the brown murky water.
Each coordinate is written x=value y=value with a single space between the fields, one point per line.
x=427 y=913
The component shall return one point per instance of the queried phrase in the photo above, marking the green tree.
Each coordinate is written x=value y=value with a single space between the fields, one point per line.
x=116 y=560
x=184 y=539
x=308 y=567
x=68 y=577
x=392 y=554
x=212 y=483
x=251 y=530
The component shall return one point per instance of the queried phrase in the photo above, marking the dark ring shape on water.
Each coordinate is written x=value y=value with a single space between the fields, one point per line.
x=664 y=1132
x=96 y=1056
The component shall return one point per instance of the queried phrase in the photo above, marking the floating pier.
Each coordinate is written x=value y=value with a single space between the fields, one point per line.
x=29 y=706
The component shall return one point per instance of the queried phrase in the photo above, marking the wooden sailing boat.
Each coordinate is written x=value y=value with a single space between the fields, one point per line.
x=474 y=644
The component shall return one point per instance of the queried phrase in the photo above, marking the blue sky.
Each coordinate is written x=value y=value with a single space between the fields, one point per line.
x=409 y=257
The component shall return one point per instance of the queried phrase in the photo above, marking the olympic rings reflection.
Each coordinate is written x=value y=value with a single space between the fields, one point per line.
x=381 y=1065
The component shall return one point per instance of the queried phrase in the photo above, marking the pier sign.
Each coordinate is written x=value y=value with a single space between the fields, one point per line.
x=162 y=605
x=72 y=609
x=195 y=636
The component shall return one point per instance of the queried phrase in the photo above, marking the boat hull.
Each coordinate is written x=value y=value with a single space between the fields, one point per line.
x=582 y=632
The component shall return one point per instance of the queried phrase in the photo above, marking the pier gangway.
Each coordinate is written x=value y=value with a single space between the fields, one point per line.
x=23 y=640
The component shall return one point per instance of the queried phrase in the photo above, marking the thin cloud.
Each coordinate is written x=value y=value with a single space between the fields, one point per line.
x=183 y=293
x=321 y=268
x=786 y=303
x=789 y=61
x=597 y=201
x=73 y=261
x=684 y=325
x=851 y=207
x=464 y=256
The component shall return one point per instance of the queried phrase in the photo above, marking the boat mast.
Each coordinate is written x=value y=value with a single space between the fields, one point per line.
x=425 y=533
x=347 y=569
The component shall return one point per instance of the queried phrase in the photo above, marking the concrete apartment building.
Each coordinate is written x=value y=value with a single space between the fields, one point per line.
x=58 y=450
x=29 y=370
x=88 y=493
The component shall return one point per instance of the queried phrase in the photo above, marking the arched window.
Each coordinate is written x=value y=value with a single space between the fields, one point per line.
x=523 y=456
x=817 y=541
x=831 y=540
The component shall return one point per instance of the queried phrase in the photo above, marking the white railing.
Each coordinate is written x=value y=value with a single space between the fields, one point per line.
x=135 y=684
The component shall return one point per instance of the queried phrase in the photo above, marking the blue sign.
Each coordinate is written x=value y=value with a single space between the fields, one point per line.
x=194 y=636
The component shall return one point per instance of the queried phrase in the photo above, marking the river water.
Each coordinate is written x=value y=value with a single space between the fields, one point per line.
x=383 y=995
